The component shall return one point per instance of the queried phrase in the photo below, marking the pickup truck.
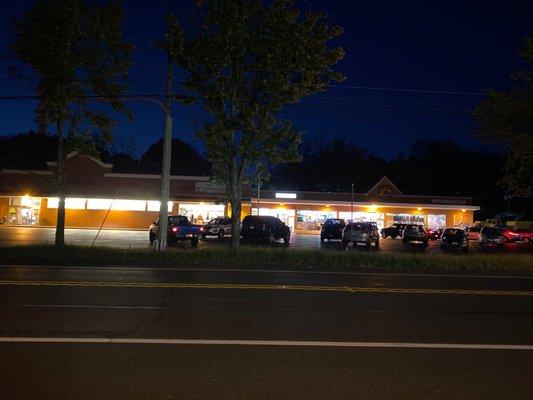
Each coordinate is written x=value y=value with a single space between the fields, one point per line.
x=179 y=228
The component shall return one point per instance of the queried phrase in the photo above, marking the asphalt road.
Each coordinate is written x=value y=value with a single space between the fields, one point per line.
x=77 y=333
x=138 y=239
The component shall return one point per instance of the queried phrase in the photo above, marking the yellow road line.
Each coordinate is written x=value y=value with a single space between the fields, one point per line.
x=242 y=286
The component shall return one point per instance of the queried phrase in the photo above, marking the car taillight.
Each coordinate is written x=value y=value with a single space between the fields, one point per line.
x=175 y=229
x=201 y=229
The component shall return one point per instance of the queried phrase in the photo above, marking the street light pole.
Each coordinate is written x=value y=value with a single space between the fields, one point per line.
x=167 y=155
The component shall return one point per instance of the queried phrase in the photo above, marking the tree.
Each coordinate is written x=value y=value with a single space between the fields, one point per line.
x=75 y=48
x=186 y=160
x=507 y=118
x=246 y=61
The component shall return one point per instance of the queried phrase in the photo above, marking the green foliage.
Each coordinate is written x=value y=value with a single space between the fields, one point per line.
x=76 y=49
x=247 y=60
x=507 y=118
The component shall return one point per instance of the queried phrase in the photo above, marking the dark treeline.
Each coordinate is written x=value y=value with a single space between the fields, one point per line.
x=432 y=167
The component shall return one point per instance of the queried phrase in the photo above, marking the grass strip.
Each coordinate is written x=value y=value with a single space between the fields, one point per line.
x=248 y=256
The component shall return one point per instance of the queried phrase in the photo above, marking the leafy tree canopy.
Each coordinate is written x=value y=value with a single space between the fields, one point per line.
x=506 y=117
x=247 y=60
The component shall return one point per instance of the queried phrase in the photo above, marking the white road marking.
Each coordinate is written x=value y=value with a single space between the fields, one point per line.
x=278 y=343
x=269 y=271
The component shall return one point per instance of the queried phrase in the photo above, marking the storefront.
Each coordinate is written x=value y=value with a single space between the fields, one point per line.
x=96 y=197
x=21 y=210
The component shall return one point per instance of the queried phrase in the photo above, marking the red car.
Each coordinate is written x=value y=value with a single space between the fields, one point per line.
x=524 y=235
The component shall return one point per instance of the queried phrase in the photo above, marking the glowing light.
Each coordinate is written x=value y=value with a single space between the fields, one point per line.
x=155 y=205
x=285 y=195
x=281 y=204
x=328 y=205
x=372 y=208
x=26 y=201
x=419 y=208
x=463 y=210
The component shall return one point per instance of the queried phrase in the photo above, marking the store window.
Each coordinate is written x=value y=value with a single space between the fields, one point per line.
x=286 y=215
x=378 y=218
x=200 y=213
x=23 y=210
x=406 y=218
x=155 y=205
x=311 y=220
x=436 y=221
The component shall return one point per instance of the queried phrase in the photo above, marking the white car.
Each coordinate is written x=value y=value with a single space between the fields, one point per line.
x=220 y=227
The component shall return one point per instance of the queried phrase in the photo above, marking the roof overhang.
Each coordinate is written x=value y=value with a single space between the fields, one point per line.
x=369 y=204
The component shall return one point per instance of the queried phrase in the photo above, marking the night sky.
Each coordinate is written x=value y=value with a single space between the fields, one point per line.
x=414 y=70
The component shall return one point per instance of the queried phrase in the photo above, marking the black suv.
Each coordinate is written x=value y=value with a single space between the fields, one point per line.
x=454 y=238
x=394 y=231
x=264 y=229
x=332 y=229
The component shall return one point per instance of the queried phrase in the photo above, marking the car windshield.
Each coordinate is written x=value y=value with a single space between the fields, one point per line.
x=335 y=222
x=474 y=229
x=356 y=226
x=178 y=220
x=491 y=231
x=453 y=232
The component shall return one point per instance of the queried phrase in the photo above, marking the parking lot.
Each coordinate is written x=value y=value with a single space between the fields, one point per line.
x=10 y=236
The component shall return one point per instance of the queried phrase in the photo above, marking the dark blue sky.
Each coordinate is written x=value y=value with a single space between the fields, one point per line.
x=425 y=47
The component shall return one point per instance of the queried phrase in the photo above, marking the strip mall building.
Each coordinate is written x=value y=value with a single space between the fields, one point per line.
x=98 y=197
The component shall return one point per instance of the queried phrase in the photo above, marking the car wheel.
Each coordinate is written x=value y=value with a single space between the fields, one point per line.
x=405 y=241
x=221 y=234
x=194 y=242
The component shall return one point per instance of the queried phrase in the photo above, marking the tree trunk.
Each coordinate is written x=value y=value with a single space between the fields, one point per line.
x=61 y=178
x=236 y=205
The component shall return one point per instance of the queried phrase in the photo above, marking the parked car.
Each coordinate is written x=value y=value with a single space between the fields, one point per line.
x=472 y=233
x=264 y=228
x=434 y=234
x=491 y=235
x=360 y=232
x=393 y=231
x=415 y=233
x=179 y=228
x=332 y=229
x=524 y=235
x=454 y=238
x=219 y=227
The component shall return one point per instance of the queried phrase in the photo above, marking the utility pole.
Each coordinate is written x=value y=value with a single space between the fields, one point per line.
x=351 y=212
x=167 y=150
x=258 y=194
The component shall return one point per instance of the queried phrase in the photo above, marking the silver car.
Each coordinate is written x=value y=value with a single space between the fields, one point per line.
x=361 y=233
x=219 y=227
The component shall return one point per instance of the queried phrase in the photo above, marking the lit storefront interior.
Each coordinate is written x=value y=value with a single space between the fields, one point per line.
x=285 y=214
x=22 y=210
x=200 y=213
